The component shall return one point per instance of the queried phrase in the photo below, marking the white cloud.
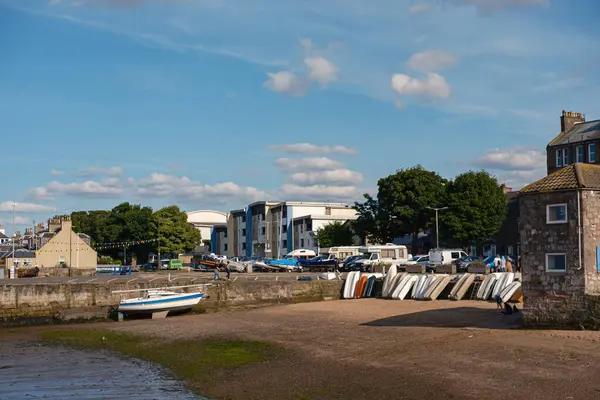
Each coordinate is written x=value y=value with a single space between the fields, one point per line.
x=434 y=86
x=487 y=6
x=109 y=187
x=163 y=185
x=512 y=159
x=97 y=171
x=515 y=166
x=309 y=148
x=314 y=163
x=336 y=176
x=420 y=8
x=287 y=82
x=321 y=70
x=321 y=192
x=431 y=60
x=56 y=172
x=26 y=207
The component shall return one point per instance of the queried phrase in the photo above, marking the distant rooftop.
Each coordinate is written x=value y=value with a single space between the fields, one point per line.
x=574 y=176
x=580 y=132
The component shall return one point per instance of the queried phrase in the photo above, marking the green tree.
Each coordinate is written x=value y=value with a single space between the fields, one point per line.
x=402 y=204
x=477 y=207
x=370 y=222
x=335 y=234
x=175 y=234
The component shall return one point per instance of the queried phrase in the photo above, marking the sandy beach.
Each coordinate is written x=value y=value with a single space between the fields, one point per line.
x=370 y=348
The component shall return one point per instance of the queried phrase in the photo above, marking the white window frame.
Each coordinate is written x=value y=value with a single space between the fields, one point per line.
x=559 y=158
x=555 y=271
x=548 y=221
x=581 y=153
x=565 y=154
x=590 y=158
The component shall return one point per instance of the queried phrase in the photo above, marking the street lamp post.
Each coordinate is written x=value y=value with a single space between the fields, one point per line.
x=437 y=230
x=14 y=207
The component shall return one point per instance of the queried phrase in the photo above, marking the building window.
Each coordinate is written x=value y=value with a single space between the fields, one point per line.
x=224 y=234
x=327 y=210
x=592 y=152
x=489 y=250
x=225 y=247
x=559 y=158
x=565 y=157
x=284 y=243
x=243 y=232
x=301 y=228
x=556 y=214
x=284 y=228
x=243 y=219
x=510 y=250
x=263 y=230
x=301 y=242
x=580 y=157
x=556 y=262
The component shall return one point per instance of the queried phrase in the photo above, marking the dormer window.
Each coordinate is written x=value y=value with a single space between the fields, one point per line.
x=559 y=158
x=592 y=152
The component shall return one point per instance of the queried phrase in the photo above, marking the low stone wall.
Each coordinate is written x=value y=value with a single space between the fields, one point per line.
x=48 y=302
x=561 y=311
x=67 y=271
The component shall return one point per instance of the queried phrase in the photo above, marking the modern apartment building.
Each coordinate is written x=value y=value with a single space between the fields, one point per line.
x=273 y=229
x=577 y=142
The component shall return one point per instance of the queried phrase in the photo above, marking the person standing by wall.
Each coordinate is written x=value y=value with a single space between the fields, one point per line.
x=228 y=270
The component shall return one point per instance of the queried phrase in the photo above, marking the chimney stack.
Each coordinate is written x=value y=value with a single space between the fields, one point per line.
x=570 y=118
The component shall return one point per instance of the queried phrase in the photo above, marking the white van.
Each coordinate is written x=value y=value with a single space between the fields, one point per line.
x=444 y=256
x=389 y=254
x=341 y=252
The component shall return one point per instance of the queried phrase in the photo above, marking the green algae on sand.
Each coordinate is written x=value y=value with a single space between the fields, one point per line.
x=194 y=361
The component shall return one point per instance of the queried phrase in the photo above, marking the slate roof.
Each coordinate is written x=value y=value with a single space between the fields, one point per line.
x=19 y=253
x=574 y=176
x=578 y=133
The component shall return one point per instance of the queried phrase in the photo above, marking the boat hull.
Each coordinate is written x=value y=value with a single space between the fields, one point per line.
x=150 y=306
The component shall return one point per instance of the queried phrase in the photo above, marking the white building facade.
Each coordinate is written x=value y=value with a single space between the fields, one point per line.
x=273 y=229
x=205 y=221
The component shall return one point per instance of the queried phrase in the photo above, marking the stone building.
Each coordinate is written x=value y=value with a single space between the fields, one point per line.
x=65 y=247
x=576 y=143
x=559 y=227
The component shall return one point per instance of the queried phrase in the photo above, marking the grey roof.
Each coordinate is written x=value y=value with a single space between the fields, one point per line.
x=3 y=236
x=19 y=253
x=579 y=133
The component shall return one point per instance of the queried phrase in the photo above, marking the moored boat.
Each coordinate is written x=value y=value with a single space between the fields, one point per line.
x=159 y=302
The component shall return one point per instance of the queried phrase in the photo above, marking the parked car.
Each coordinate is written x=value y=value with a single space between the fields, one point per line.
x=422 y=259
x=462 y=264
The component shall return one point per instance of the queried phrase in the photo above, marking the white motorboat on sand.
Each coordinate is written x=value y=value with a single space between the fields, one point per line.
x=158 y=302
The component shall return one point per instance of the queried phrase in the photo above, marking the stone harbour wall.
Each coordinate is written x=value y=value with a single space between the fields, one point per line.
x=57 y=302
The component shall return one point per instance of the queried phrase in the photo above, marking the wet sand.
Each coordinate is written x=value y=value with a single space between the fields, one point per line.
x=372 y=348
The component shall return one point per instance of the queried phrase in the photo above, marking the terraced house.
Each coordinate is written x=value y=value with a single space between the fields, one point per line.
x=577 y=142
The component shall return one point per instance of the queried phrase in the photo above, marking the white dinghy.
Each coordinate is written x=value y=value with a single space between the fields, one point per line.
x=159 y=302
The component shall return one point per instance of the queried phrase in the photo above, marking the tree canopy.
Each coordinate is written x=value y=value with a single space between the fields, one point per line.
x=173 y=231
x=335 y=234
x=477 y=207
x=401 y=207
x=129 y=223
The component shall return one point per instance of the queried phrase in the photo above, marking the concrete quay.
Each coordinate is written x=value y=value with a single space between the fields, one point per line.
x=63 y=299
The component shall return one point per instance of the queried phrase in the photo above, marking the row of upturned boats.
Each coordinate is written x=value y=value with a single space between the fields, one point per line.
x=396 y=285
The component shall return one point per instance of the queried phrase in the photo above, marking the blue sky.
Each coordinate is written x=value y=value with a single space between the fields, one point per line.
x=216 y=103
